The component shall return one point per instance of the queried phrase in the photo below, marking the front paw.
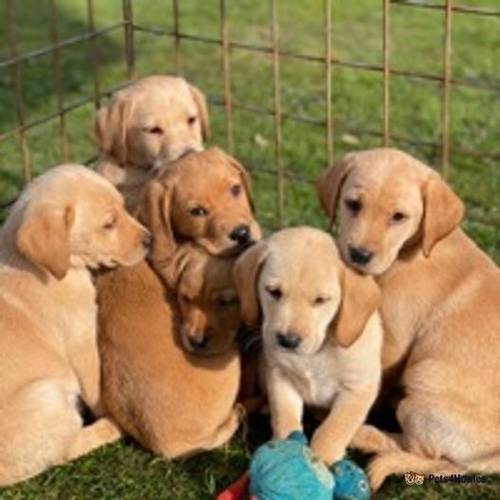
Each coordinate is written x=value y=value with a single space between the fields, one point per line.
x=326 y=451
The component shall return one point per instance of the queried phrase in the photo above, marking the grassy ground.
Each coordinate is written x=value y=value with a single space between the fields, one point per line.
x=123 y=470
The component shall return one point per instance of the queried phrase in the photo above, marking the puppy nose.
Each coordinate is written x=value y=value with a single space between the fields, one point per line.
x=147 y=241
x=360 y=255
x=241 y=234
x=288 y=340
x=198 y=341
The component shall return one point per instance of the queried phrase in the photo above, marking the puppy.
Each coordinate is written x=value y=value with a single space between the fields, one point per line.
x=321 y=334
x=148 y=125
x=206 y=198
x=399 y=222
x=66 y=222
x=172 y=382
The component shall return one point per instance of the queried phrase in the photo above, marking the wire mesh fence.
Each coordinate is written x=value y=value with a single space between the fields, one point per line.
x=281 y=105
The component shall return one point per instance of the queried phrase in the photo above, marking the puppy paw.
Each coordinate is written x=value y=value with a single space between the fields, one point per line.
x=326 y=451
x=377 y=472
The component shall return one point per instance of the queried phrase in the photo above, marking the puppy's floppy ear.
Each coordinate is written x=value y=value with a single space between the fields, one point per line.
x=155 y=214
x=43 y=238
x=110 y=128
x=246 y=272
x=443 y=211
x=329 y=184
x=179 y=262
x=201 y=104
x=360 y=299
x=245 y=177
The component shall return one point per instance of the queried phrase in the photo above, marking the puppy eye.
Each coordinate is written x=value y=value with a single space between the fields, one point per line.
x=235 y=190
x=198 y=212
x=398 y=216
x=109 y=225
x=353 y=205
x=191 y=120
x=185 y=298
x=275 y=293
x=154 y=130
x=318 y=301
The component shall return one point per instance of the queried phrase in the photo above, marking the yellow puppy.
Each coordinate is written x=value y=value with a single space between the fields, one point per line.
x=321 y=334
x=441 y=311
x=66 y=222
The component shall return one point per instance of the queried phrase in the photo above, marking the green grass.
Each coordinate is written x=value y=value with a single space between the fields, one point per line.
x=123 y=470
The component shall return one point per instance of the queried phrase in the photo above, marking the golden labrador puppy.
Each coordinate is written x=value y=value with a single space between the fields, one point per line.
x=171 y=382
x=148 y=125
x=399 y=221
x=204 y=197
x=321 y=334
x=66 y=222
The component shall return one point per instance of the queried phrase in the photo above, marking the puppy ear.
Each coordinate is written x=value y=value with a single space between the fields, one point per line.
x=360 y=299
x=43 y=238
x=178 y=263
x=246 y=272
x=155 y=214
x=245 y=177
x=110 y=129
x=329 y=184
x=201 y=103
x=443 y=211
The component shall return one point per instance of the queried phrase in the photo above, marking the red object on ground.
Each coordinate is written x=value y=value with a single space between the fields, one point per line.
x=237 y=491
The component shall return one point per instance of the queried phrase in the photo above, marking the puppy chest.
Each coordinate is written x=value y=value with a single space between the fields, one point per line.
x=315 y=378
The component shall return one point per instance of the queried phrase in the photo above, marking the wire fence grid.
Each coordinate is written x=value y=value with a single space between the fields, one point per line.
x=15 y=60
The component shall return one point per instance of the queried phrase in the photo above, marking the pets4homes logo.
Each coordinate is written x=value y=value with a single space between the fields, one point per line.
x=412 y=478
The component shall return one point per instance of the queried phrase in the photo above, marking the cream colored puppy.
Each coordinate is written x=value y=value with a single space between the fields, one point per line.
x=399 y=221
x=321 y=334
x=66 y=222
x=148 y=125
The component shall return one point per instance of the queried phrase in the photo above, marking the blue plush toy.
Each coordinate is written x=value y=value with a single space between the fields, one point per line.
x=286 y=470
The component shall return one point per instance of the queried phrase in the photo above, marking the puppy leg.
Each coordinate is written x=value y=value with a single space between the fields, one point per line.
x=286 y=405
x=399 y=462
x=37 y=426
x=369 y=439
x=349 y=411
x=89 y=438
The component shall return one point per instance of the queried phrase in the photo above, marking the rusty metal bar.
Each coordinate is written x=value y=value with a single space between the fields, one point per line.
x=280 y=178
x=224 y=29
x=66 y=43
x=92 y=51
x=15 y=75
x=461 y=9
x=464 y=82
x=445 y=112
x=128 y=21
x=57 y=75
x=328 y=82
x=177 y=38
x=387 y=73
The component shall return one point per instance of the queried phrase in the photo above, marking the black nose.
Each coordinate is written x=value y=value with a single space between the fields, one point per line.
x=360 y=255
x=198 y=341
x=147 y=241
x=288 y=340
x=241 y=234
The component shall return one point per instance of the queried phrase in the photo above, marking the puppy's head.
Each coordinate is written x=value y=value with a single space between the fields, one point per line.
x=387 y=201
x=296 y=282
x=206 y=198
x=207 y=299
x=153 y=122
x=72 y=217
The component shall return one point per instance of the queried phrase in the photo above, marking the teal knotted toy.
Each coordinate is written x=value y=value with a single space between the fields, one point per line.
x=287 y=470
